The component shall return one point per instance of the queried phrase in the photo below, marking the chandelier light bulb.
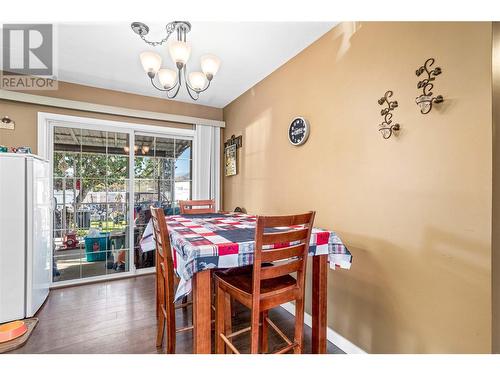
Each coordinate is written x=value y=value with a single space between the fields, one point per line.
x=167 y=77
x=179 y=52
x=197 y=80
x=151 y=63
x=210 y=65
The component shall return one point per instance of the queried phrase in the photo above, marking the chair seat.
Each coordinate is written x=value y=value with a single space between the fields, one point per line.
x=234 y=270
x=239 y=285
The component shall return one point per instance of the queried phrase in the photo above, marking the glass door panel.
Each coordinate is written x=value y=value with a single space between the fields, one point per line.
x=91 y=179
x=145 y=194
x=163 y=170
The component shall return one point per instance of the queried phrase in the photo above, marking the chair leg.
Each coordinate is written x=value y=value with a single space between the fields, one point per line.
x=157 y=303
x=299 y=325
x=213 y=288
x=228 y=326
x=160 y=301
x=157 y=289
x=254 y=333
x=160 y=328
x=171 y=328
x=219 y=319
x=264 y=329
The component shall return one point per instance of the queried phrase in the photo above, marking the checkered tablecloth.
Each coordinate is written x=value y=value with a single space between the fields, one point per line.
x=206 y=241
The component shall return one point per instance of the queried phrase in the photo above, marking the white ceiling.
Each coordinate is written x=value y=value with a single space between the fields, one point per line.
x=107 y=55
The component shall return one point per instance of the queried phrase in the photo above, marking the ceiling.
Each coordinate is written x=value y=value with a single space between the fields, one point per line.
x=107 y=55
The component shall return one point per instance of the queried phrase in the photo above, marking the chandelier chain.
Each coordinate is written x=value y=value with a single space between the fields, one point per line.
x=154 y=44
x=170 y=29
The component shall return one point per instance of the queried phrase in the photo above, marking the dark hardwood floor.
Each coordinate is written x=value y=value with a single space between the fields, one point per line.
x=119 y=317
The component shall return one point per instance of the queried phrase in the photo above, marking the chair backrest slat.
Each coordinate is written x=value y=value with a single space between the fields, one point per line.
x=273 y=255
x=289 y=250
x=288 y=236
x=190 y=207
x=278 y=270
x=286 y=221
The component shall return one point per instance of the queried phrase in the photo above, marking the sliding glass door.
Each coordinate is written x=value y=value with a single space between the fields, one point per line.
x=104 y=182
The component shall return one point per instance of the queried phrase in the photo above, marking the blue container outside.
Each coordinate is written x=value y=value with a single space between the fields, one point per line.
x=96 y=247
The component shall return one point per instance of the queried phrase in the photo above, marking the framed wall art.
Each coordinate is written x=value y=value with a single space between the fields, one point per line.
x=230 y=162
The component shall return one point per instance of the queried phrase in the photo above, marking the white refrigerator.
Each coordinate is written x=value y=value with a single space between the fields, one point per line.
x=25 y=238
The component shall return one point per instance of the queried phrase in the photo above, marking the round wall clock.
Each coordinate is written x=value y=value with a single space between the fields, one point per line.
x=298 y=131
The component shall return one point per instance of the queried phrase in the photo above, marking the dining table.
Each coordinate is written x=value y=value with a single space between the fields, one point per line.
x=203 y=242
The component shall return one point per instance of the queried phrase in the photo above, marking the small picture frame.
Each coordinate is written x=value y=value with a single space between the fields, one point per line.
x=230 y=163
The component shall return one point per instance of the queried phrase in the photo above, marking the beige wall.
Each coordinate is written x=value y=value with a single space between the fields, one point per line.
x=495 y=264
x=25 y=115
x=415 y=211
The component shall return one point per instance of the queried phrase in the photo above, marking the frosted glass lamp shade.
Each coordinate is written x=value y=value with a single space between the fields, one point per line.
x=179 y=52
x=197 y=80
x=151 y=62
x=167 y=77
x=210 y=65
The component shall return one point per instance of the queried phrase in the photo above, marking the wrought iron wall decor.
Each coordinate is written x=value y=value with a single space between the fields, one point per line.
x=426 y=100
x=238 y=141
x=386 y=127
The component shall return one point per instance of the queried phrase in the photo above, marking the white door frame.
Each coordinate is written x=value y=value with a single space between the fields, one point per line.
x=46 y=124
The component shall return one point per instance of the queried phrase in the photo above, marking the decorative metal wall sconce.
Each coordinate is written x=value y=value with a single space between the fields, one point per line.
x=238 y=141
x=7 y=123
x=387 y=128
x=425 y=100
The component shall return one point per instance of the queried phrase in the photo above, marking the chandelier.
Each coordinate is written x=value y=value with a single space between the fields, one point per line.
x=170 y=81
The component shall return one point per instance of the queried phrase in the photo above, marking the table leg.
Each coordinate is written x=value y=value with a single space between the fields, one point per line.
x=319 y=303
x=202 y=312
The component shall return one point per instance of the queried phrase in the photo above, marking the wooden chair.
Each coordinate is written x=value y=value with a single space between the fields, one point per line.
x=197 y=207
x=267 y=287
x=165 y=283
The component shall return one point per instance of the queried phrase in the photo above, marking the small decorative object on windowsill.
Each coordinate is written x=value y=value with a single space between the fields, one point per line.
x=386 y=127
x=231 y=155
x=298 y=131
x=426 y=100
x=7 y=123
x=23 y=150
x=16 y=150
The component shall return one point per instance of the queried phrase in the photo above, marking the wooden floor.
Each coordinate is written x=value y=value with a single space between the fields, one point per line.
x=119 y=317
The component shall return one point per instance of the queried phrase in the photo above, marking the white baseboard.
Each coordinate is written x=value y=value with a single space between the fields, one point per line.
x=332 y=336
